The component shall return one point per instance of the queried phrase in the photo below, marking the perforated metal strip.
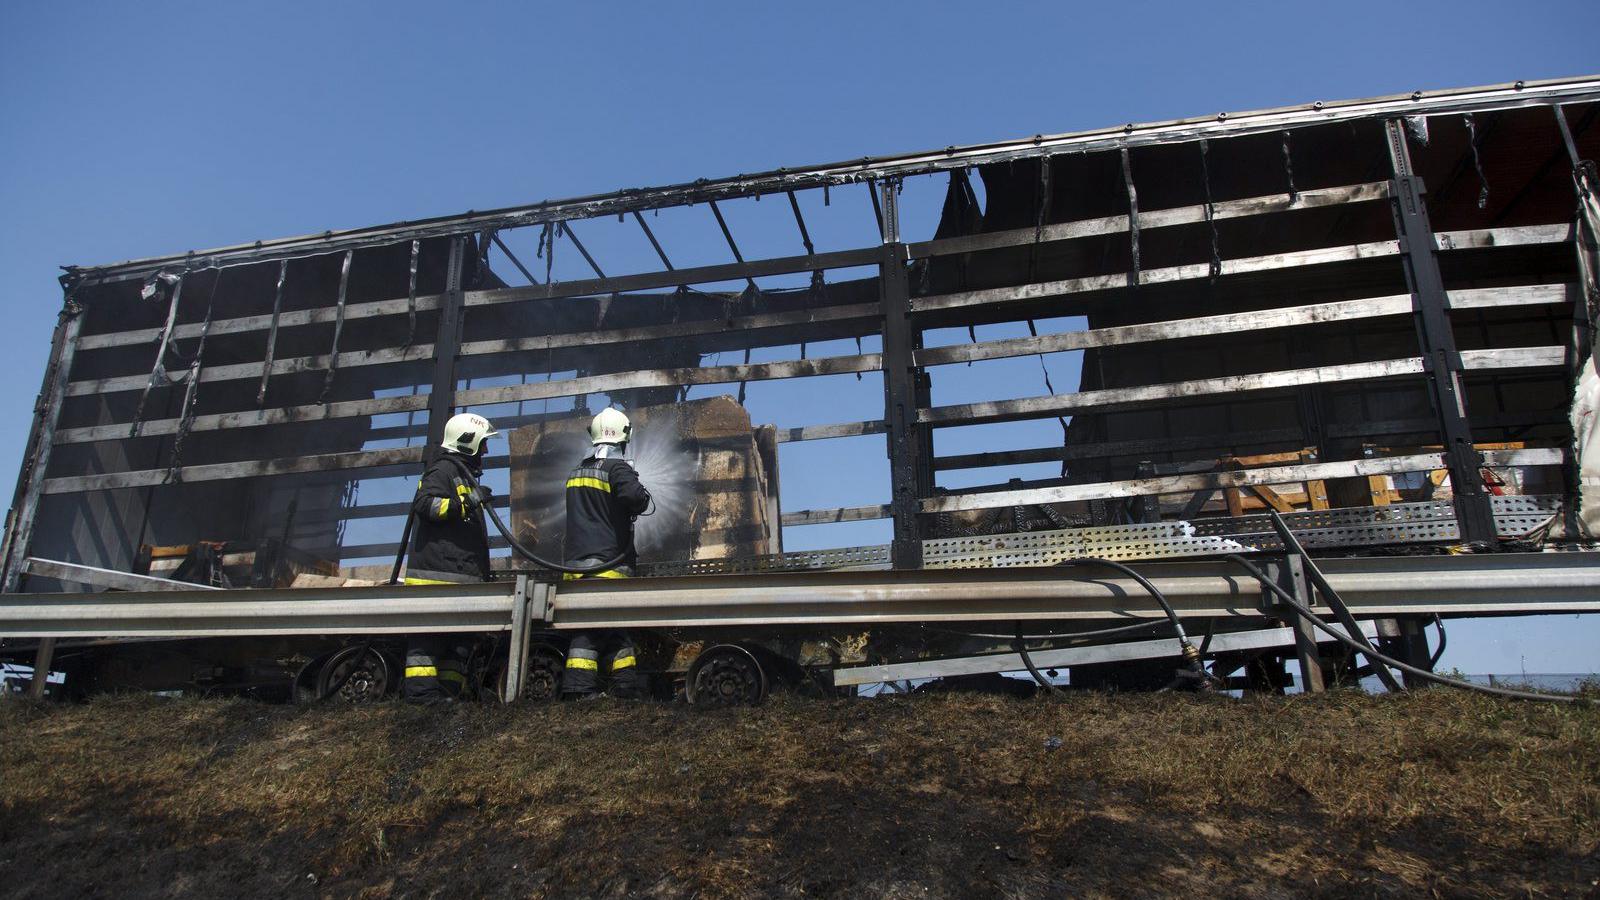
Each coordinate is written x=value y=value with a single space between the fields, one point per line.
x=1423 y=522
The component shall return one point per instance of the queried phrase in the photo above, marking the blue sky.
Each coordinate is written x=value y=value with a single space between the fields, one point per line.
x=129 y=130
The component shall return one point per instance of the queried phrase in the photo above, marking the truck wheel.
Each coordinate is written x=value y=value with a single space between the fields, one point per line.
x=356 y=674
x=541 y=683
x=725 y=675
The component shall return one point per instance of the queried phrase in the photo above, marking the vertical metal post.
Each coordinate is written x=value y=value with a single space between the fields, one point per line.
x=36 y=461
x=41 y=438
x=43 y=658
x=1147 y=506
x=517 y=653
x=1580 y=339
x=900 y=388
x=441 y=403
x=1292 y=578
x=1440 y=360
x=1404 y=639
x=1415 y=641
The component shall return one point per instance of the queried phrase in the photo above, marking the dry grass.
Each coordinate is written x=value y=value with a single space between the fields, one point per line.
x=1435 y=793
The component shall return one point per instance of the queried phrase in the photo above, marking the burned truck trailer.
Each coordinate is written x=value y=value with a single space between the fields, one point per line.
x=1366 y=317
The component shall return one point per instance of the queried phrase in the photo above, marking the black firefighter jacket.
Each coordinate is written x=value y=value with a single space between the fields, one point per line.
x=451 y=543
x=603 y=496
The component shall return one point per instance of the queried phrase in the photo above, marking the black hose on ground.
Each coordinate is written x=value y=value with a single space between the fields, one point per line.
x=1377 y=657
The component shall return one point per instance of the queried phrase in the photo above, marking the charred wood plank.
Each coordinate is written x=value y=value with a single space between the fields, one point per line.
x=1239 y=478
x=1231 y=323
x=569 y=387
x=843 y=514
x=1116 y=398
x=1455 y=240
x=826 y=432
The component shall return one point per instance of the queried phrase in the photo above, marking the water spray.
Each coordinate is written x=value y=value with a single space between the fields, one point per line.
x=669 y=470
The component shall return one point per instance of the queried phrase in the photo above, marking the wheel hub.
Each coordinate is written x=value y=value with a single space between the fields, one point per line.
x=729 y=678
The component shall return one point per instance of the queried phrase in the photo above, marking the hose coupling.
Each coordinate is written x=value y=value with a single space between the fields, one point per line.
x=1191 y=655
x=1194 y=670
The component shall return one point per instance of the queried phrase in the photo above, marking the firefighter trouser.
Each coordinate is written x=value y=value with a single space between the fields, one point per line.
x=595 y=653
x=436 y=668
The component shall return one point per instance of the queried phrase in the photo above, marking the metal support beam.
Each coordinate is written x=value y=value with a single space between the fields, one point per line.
x=1581 y=337
x=1404 y=639
x=441 y=400
x=1291 y=576
x=106 y=578
x=900 y=341
x=727 y=235
x=495 y=237
x=1231 y=642
x=41 y=439
x=867 y=170
x=517 y=653
x=593 y=266
x=1442 y=364
x=43 y=658
x=667 y=263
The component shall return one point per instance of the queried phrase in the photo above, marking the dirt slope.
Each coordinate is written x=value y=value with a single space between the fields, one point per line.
x=926 y=797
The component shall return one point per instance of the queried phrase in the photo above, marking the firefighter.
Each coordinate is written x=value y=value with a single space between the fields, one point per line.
x=604 y=496
x=451 y=546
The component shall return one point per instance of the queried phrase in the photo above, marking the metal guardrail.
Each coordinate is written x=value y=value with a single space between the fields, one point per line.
x=1471 y=584
x=399 y=609
x=1486 y=584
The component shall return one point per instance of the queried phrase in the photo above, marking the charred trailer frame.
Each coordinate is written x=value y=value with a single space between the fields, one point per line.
x=1415 y=260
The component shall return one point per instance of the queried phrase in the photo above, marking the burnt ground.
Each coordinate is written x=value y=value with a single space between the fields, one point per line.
x=940 y=796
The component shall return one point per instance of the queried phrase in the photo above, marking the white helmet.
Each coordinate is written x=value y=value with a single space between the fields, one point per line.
x=610 y=427
x=466 y=432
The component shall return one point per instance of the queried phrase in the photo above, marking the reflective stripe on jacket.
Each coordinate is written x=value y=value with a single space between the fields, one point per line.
x=603 y=497
x=449 y=542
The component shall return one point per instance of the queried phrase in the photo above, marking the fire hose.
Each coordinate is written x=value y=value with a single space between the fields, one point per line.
x=1193 y=674
x=477 y=502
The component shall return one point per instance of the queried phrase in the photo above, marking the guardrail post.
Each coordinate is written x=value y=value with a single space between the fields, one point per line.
x=1291 y=576
x=43 y=658
x=517 y=653
x=1441 y=362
